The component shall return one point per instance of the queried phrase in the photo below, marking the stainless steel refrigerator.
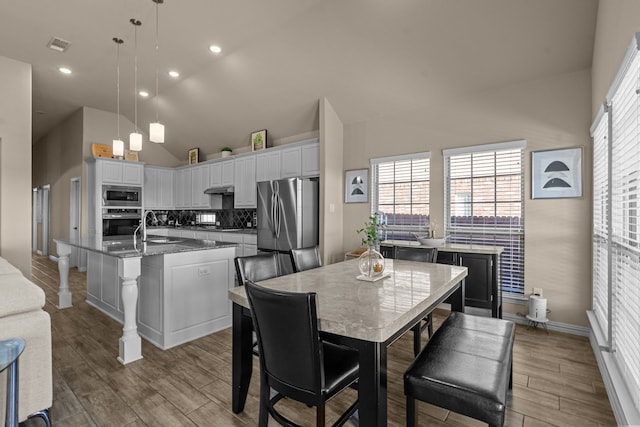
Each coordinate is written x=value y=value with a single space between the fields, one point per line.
x=287 y=217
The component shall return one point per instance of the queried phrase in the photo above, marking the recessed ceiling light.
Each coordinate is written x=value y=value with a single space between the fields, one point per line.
x=174 y=74
x=143 y=93
x=215 y=49
x=64 y=70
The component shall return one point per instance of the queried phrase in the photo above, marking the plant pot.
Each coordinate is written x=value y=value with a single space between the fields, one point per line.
x=226 y=153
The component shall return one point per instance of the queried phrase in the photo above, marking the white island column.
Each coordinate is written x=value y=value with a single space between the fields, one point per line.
x=130 y=344
x=64 y=295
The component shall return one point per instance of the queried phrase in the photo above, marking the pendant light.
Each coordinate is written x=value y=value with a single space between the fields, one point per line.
x=156 y=129
x=118 y=144
x=135 y=138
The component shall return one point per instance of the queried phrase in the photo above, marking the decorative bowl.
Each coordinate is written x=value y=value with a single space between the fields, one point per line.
x=427 y=241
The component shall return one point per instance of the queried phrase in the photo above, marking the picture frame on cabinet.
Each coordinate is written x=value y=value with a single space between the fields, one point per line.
x=556 y=174
x=259 y=140
x=194 y=155
x=356 y=186
x=131 y=156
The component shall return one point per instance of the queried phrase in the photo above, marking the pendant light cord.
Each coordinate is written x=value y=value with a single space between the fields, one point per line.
x=136 y=24
x=118 y=42
x=157 y=2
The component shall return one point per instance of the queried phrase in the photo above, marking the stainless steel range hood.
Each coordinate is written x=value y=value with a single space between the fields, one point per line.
x=219 y=190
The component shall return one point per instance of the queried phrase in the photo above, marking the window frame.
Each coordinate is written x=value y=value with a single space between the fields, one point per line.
x=396 y=231
x=491 y=235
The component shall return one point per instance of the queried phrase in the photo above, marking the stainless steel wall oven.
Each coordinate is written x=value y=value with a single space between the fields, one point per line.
x=119 y=222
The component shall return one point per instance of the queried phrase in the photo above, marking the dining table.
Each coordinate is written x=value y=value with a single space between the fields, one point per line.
x=362 y=314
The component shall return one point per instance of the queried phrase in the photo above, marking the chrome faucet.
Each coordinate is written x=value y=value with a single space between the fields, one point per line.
x=143 y=225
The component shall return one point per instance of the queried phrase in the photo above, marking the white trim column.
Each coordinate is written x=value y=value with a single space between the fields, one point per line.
x=64 y=294
x=130 y=344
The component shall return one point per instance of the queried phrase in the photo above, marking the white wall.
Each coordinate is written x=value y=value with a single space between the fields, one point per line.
x=15 y=163
x=549 y=113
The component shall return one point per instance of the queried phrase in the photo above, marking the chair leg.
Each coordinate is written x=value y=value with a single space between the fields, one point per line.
x=44 y=414
x=412 y=417
x=265 y=397
x=417 y=346
x=430 y=324
x=320 y=416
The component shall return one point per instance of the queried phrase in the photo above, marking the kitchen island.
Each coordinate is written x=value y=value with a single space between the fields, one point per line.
x=181 y=285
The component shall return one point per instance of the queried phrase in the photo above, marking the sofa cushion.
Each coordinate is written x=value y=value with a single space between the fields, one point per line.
x=18 y=295
x=7 y=269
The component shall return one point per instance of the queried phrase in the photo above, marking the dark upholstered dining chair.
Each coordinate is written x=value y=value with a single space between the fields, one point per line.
x=305 y=258
x=421 y=255
x=255 y=268
x=294 y=361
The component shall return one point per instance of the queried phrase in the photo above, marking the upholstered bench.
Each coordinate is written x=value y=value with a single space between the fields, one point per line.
x=465 y=367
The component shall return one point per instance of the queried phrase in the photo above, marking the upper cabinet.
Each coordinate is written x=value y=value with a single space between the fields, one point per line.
x=310 y=160
x=291 y=162
x=245 y=182
x=221 y=173
x=268 y=166
x=182 y=188
x=158 y=187
x=119 y=172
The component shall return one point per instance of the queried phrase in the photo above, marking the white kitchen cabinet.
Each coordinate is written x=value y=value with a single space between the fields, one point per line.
x=228 y=172
x=119 y=172
x=291 y=162
x=182 y=193
x=158 y=187
x=310 y=155
x=268 y=166
x=200 y=181
x=245 y=182
x=221 y=173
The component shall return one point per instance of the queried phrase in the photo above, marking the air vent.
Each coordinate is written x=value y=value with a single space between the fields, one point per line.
x=58 y=44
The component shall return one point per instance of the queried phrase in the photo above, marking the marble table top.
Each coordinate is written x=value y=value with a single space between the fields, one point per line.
x=371 y=311
x=448 y=247
x=155 y=245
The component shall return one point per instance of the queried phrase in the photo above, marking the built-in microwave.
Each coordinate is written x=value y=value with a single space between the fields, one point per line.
x=118 y=195
x=118 y=222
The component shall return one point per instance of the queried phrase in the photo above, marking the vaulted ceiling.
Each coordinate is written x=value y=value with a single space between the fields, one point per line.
x=370 y=58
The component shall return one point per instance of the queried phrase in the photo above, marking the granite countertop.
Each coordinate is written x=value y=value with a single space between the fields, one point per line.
x=205 y=228
x=372 y=311
x=155 y=245
x=448 y=247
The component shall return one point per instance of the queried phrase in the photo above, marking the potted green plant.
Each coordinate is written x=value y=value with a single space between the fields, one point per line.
x=226 y=151
x=371 y=262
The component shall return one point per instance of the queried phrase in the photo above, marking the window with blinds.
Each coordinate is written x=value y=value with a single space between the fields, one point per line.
x=616 y=250
x=484 y=203
x=401 y=194
x=600 y=238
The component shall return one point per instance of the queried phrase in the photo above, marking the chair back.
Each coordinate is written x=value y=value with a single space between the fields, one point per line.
x=286 y=326
x=305 y=258
x=257 y=267
x=416 y=254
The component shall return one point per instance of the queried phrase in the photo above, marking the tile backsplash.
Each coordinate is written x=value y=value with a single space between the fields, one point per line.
x=224 y=218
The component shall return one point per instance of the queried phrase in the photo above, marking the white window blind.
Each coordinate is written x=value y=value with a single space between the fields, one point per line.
x=484 y=203
x=600 y=238
x=616 y=251
x=400 y=194
x=625 y=269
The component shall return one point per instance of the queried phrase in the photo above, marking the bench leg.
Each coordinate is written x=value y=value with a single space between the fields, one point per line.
x=412 y=416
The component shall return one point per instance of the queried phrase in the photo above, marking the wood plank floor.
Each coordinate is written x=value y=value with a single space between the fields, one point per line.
x=556 y=379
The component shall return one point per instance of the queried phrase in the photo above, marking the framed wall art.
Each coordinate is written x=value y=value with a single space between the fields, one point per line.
x=556 y=174
x=259 y=140
x=356 y=186
x=194 y=156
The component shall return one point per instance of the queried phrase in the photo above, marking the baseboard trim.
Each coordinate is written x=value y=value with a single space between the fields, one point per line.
x=551 y=325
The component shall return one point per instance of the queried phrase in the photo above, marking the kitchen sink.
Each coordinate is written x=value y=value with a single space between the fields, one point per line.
x=163 y=240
